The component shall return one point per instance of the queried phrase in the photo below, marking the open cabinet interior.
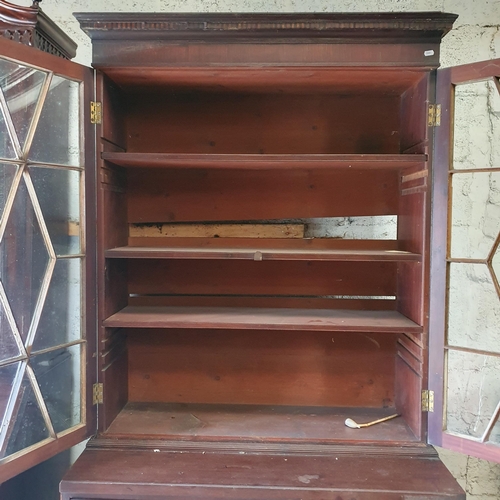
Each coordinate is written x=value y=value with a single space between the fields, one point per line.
x=263 y=238
x=256 y=252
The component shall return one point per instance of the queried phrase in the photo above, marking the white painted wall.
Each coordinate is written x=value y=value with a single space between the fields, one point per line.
x=475 y=37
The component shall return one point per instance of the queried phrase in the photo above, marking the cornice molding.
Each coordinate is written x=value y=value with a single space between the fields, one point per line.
x=257 y=26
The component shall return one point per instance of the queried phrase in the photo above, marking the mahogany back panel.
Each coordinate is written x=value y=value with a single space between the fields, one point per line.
x=177 y=195
x=236 y=277
x=228 y=122
x=281 y=368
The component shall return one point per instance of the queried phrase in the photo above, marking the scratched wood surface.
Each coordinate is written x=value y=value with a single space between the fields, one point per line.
x=224 y=422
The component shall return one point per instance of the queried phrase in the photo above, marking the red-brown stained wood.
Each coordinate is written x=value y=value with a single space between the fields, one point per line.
x=271 y=80
x=219 y=423
x=412 y=231
x=175 y=195
x=112 y=128
x=278 y=243
x=115 y=385
x=118 y=54
x=264 y=162
x=216 y=122
x=414 y=107
x=260 y=367
x=408 y=390
x=243 y=277
x=114 y=208
x=217 y=248
x=336 y=320
x=145 y=474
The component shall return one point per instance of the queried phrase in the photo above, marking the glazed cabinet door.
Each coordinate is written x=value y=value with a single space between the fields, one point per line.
x=465 y=276
x=46 y=257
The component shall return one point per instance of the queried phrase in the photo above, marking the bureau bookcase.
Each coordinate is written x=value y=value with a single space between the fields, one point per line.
x=235 y=333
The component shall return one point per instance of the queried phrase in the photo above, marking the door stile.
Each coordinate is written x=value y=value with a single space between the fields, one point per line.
x=438 y=253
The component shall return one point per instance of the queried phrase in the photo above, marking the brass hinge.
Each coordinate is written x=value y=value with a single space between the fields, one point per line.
x=434 y=115
x=427 y=400
x=95 y=112
x=97 y=392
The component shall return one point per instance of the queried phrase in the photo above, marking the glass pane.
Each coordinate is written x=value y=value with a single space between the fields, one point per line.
x=58 y=192
x=27 y=425
x=8 y=344
x=495 y=267
x=7 y=149
x=61 y=319
x=57 y=137
x=477 y=140
x=495 y=433
x=475 y=216
x=58 y=375
x=24 y=259
x=474 y=308
x=473 y=393
x=7 y=174
x=21 y=86
x=7 y=378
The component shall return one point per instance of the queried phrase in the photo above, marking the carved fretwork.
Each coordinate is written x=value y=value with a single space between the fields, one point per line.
x=31 y=26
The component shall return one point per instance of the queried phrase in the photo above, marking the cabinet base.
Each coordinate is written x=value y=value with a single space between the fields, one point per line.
x=154 y=474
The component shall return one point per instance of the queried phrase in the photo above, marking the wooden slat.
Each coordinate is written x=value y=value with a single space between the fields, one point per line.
x=262 y=319
x=263 y=161
x=259 y=254
x=216 y=231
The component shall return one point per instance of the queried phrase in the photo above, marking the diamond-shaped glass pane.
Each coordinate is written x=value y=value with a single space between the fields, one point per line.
x=61 y=319
x=23 y=259
x=27 y=425
x=7 y=149
x=59 y=376
x=57 y=136
x=58 y=192
x=473 y=393
x=7 y=382
x=474 y=308
x=8 y=345
x=7 y=174
x=475 y=214
x=21 y=86
x=477 y=142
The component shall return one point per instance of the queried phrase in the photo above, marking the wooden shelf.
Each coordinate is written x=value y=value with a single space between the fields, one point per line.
x=264 y=161
x=222 y=422
x=258 y=253
x=262 y=319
